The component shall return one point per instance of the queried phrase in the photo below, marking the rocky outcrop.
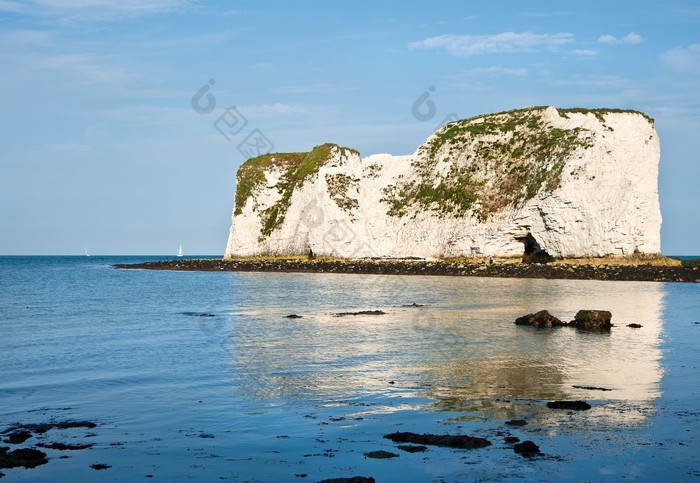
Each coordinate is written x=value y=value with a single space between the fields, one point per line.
x=640 y=273
x=593 y=320
x=539 y=182
x=596 y=320
x=541 y=319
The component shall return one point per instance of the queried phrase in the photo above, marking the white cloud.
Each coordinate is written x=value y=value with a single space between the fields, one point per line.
x=683 y=60
x=270 y=110
x=584 y=52
x=494 y=72
x=629 y=39
x=468 y=45
x=72 y=10
x=606 y=81
x=607 y=39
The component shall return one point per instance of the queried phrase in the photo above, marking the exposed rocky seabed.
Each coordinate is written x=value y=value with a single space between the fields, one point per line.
x=568 y=271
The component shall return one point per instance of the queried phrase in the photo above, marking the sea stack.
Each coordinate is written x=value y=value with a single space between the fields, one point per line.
x=561 y=183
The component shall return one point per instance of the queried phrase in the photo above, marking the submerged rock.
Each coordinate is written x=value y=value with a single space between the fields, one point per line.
x=30 y=457
x=26 y=457
x=516 y=422
x=41 y=428
x=409 y=448
x=527 y=449
x=447 y=440
x=361 y=312
x=541 y=319
x=571 y=405
x=18 y=437
x=63 y=446
x=380 y=455
x=594 y=320
x=592 y=388
x=353 y=479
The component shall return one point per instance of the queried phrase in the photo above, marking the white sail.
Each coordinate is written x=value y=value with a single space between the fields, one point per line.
x=179 y=252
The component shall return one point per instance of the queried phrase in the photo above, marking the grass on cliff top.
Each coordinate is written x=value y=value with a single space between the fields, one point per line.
x=515 y=155
x=599 y=112
x=295 y=168
x=494 y=161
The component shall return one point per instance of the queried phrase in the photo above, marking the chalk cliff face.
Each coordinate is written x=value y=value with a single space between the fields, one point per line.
x=571 y=183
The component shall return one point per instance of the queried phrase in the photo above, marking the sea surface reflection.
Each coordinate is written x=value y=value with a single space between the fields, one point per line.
x=200 y=376
x=458 y=345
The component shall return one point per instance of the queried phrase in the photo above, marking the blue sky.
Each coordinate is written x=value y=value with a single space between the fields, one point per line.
x=102 y=146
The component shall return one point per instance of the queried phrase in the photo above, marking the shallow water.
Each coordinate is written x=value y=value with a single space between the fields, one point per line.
x=244 y=394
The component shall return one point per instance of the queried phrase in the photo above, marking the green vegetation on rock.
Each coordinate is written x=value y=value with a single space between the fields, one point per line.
x=338 y=186
x=599 y=113
x=481 y=165
x=295 y=168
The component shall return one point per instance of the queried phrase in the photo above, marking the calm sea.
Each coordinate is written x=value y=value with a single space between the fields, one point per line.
x=199 y=376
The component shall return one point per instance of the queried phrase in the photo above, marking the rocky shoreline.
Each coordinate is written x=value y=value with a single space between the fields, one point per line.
x=620 y=272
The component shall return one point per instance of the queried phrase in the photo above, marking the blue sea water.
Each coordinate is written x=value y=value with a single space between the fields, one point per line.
x=199 y=376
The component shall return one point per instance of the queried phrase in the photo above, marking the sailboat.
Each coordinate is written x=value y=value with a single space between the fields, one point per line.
x=86 y=253
x=179 y=252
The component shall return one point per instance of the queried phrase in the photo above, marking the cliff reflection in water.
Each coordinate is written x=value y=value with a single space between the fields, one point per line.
x=461 y=348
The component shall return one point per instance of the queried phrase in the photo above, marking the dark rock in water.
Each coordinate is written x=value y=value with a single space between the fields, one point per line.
x=511 y=439
x=100 y=466
x=572 y=405
x=381 y=455
x=634 y=326
x=293 y=316
x=527 y=449
x=361 y=312
x=63 y=446
x=539 y=320
x=411 y=448
x=18 y=437
x=594 y=320
x=354 y=479
x=462 y=442
x=27 y=457
x=516 y=422
x=41 y=428
x=413 y=305
x=592 y=388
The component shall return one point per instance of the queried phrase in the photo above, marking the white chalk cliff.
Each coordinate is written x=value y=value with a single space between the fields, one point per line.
x=568 y=182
